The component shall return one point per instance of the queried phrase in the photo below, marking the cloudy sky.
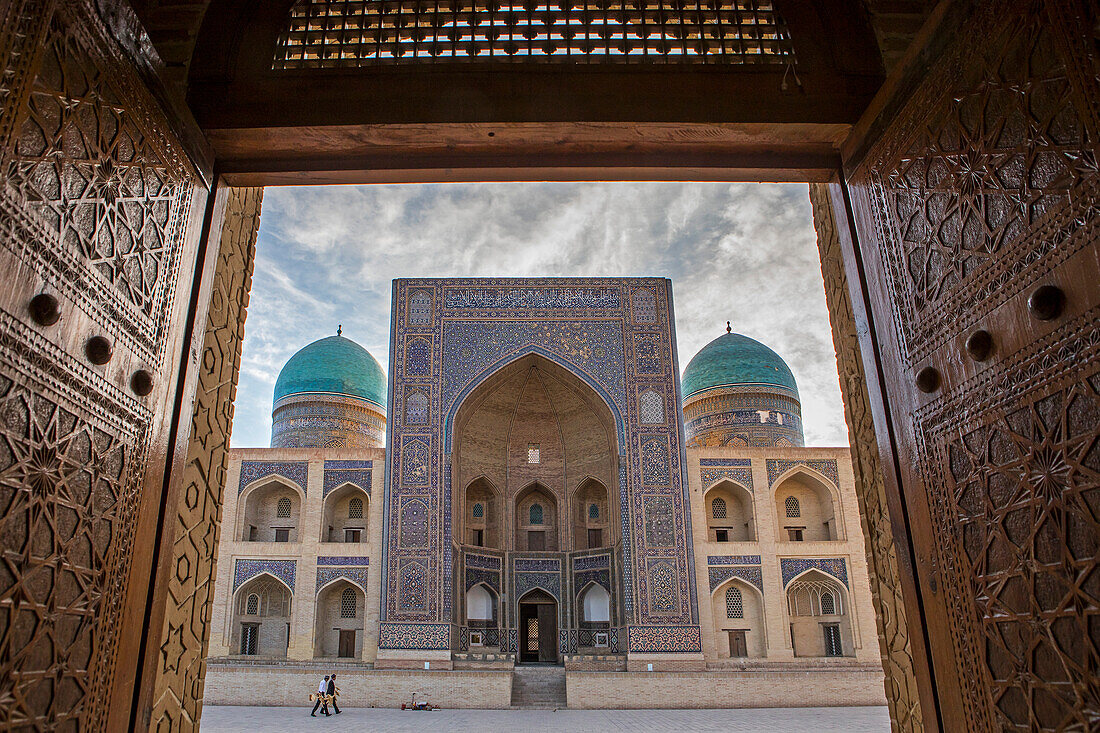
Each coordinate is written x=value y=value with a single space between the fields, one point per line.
x=738 y=252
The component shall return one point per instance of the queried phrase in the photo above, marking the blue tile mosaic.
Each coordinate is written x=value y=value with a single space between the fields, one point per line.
x=247 y=569
x=750 y=574
x=711 y=476
x=358 y=576
x=488 y=562
x=549 y=582
x=343 y=560
x=252 y=471
x=591 y=562
x=656 y=639
x=733 y=559
x=497 y=298
x=337 y=473
x=825 y=467
x=427 y=637
x=537 y=564
x=793 y=567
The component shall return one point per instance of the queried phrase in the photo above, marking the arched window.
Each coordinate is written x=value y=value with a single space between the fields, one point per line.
x=828 y=604
x=347 y=603
x=282 y=508
x=794 y=509
x=735 y=607
x=355 y=508
x=536 y=514
x=718 y=508
x=593 y=512
x=252 y=606
x=479 y=511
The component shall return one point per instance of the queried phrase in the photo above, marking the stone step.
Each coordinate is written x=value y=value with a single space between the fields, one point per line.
x=538 y=687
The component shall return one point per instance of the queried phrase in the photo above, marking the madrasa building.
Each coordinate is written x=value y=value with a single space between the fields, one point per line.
x=534 y=508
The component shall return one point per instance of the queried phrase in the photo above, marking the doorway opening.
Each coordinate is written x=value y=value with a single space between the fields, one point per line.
x=538 y=628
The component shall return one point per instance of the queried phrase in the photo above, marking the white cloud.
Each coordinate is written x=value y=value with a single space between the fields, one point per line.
x=742 y=252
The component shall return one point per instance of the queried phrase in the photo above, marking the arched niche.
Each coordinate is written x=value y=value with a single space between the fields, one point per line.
x=270 y=510
x=481 y=607
x=594 y=607
x=339 y=620
x=536 y=520
x=531 y=421
x=729 y=512
x=592 y=516
x=481 y=515
x=260 y=614
x=820 y=616
x=738 y=616
x=345 y=514
x=805 y=507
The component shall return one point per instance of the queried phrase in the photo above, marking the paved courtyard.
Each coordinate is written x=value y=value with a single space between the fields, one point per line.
x=223 y=719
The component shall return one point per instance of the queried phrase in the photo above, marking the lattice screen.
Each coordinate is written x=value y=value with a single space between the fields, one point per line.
x=335 y=33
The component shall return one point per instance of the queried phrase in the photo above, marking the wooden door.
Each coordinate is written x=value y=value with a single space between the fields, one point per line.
x=347 y=643
x=974 y=200
x=548 y=632
x=529 y=632
x=738 y=645
x=100 y=217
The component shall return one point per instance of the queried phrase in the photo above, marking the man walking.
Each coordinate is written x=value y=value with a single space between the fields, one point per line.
x=332 y=691
x=322 y=692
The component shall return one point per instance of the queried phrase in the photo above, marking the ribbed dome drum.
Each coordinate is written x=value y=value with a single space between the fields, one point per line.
x=739 y=392
x=331 y=394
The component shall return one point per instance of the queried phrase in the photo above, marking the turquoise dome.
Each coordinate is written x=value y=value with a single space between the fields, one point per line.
x=733 y=359
x=333 y=365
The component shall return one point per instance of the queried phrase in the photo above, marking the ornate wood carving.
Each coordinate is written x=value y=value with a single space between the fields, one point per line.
x=98 y=208
x=882 y=561
x=177 y=696
x=982 y=188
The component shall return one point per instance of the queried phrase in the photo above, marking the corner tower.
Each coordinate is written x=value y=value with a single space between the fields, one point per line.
x=331 y=394
x=738 y=392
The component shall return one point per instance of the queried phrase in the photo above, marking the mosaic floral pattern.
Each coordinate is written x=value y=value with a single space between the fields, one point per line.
x=343 y=560
x=490 y=578
x=733 y=559
x=358 y=576
x=549 y=582
x=726 y=462
x=245 y=570
x=520 y=298
x=537 y=564
x=416 y=408
x=591 y=562
x=659 y=530
x=414 y=590
x=601 y=577
x=414 y=523
x=418 y=357
x=487 y=562
x=826 y=467
x=338 y=473
x=414 y=462
x=651 y=408
x=750 y=574
x=655 y=471
x=252 y=471
x=663 y=596
x=647 y=353
x=420 y=307
x=793 y=567
x=414 y=636
x=649 y=639
x=711 y=476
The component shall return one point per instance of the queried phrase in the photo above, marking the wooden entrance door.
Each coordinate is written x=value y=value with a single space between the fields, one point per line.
x=538 y=632
x=102 y=209
x=976 y=208
x=738 y=645
x=347 y=643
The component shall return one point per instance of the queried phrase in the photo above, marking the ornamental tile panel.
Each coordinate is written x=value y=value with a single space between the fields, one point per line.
x=358 y=576
x=487 y=562
x=750 y=574
x=537 y=564
x=591 y=562
x=826 y=467
x=664 y=639
x=427 y=637
x=549 y=582
x=710 y=476
x=252 y=471
x=343 y=560
x=733 y=559
x=337 y=473
x=245 y=570
x=793 y=567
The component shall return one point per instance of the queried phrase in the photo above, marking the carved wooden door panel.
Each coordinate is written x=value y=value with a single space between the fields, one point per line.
x=978 y=218
x=99 y=222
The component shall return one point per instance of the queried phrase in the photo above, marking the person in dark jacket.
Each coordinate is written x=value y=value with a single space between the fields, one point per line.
x=332 y=692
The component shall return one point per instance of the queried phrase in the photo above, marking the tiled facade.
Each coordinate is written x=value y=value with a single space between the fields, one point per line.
x=705 y=559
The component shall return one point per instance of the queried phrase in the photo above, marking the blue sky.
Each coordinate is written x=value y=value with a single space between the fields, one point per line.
x=739 y=252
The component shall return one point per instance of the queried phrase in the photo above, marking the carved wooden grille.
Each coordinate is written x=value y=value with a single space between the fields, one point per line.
x=718 y=508
x=355 y=508
x=734 y=603
x=347 y=603
x=282 y=509
x=343 y=33
x=794 y=510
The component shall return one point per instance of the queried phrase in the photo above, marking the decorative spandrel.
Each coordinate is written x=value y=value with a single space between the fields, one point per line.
x=357 y=33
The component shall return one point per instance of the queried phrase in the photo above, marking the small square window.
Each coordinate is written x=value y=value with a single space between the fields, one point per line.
x=721 y=535
x=282 y=535
x=794 y=535
x=353 y=535
x=533 y=452
x=479 y=537
x=595 y=538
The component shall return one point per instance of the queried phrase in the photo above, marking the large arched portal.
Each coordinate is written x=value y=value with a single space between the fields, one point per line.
x=536 y=432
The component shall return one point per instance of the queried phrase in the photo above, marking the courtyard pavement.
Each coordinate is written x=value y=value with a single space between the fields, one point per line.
x=225 y=719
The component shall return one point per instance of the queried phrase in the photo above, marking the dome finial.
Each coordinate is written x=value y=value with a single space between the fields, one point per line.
x=340 y=330
x=728 y=328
